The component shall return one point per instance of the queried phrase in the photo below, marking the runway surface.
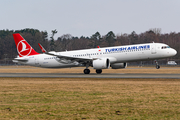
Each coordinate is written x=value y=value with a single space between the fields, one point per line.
x=92 y=75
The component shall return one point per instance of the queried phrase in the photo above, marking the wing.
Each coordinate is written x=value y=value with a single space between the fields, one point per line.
x=63 y=57
x=78 y=59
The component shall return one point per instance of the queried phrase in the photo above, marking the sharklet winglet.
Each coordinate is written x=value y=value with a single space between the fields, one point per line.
x=42 y=48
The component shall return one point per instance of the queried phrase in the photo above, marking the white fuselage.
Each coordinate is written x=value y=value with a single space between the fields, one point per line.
x=117 y=54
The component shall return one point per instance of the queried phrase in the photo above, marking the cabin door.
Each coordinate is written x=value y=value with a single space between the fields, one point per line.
x=36 y=61
x=153 y=49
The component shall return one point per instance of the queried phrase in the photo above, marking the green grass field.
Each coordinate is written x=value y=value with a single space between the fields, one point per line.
x=94 y=99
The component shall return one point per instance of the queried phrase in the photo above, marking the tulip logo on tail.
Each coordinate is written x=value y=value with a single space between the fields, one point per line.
x=23 y=48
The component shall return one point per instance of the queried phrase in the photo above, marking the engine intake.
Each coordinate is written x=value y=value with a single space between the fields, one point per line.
x=101 y=63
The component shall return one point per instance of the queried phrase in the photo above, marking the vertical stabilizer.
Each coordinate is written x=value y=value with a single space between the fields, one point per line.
x=23 y=47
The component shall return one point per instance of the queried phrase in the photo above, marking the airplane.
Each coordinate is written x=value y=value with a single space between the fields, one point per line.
x=115 y=57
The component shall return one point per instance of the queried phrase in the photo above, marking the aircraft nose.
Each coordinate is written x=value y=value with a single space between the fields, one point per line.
x=173 y=52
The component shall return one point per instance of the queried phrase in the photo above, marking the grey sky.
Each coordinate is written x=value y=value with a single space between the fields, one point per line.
x=85 y=17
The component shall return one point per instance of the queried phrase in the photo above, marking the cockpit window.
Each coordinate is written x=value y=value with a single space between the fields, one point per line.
x=164 y=47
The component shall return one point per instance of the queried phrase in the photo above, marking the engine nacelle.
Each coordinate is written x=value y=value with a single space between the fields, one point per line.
x=101 y=63
x=118 y=65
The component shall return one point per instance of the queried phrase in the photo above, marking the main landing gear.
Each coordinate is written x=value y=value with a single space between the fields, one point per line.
x=98 y=71
x=87 y=71
x=157 y=65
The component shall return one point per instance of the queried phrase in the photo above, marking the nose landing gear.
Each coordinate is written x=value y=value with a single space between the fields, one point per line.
x=157 y=65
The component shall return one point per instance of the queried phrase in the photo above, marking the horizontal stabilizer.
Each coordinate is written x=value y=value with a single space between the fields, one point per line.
x=20 y=59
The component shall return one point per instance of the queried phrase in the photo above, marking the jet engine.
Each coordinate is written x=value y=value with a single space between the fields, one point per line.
x=118 y=65
x=102 y=63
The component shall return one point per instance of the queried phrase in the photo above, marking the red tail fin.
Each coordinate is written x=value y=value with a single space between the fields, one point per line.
x=23 y=48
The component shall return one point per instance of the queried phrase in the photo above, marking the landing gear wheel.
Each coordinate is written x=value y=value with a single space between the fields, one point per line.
x=86 y=71
x=99 y=71
x=157 y=66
